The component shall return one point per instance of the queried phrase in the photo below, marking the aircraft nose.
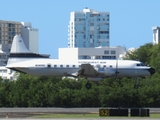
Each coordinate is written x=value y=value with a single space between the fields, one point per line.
x=152 y=71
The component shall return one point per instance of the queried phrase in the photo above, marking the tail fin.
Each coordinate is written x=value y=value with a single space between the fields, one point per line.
x=19 y=52
x=18 y=45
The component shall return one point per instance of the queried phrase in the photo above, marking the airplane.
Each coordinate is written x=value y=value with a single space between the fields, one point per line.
x=23 y=60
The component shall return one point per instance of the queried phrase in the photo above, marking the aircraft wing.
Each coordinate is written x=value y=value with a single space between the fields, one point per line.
x=87 y=70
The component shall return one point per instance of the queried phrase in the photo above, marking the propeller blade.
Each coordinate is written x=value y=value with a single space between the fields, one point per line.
x=116 y=72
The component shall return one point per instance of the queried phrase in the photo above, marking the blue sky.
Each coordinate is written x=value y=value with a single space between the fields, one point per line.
x=130 y=20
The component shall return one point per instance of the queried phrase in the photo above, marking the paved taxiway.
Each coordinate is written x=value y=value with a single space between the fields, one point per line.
x=59 y=110
x=25 y=113
x=88 y=119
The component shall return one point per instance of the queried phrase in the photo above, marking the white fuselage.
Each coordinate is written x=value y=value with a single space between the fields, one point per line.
x=53 y=67
x=23 y=60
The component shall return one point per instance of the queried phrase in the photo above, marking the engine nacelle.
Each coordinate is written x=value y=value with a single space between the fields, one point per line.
x=94 y=79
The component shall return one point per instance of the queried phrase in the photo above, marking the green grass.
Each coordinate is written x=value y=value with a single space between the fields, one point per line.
x=85 y=116
x=68 y=116
x=154 y=115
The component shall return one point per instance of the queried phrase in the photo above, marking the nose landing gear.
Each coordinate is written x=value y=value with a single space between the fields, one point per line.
x=88 y=85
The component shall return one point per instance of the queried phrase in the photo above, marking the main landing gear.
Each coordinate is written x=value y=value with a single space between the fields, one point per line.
x=136 y=84
x=88 y=85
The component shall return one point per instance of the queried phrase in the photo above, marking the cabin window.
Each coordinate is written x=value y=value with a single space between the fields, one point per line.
x=49 y=65
x=61 y=66
x=73 y=66
x=67 y=66
x=110 y=66
x=79 y=66
x=55 y=66
x=104 y=66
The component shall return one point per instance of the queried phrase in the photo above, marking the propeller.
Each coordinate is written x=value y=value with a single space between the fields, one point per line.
x=116 y=72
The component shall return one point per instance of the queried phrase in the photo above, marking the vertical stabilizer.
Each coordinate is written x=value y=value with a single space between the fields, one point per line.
x=18 y=45
x=20 y=53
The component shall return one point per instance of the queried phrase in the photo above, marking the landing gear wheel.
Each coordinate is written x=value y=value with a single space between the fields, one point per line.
x=88 y=85
x=136 y=86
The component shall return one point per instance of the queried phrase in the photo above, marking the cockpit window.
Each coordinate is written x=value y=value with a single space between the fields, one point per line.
x=140 y=64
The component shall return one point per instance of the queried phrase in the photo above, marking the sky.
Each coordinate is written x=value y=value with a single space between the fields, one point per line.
x=131 y=21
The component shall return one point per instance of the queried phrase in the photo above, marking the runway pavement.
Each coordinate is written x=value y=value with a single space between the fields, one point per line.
x=20 y=113
x=59 y=110
x=88 y=119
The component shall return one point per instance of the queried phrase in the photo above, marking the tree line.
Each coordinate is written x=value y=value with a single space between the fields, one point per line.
x=34 y=91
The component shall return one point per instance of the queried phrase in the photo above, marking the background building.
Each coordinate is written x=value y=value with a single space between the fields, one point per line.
x=156 y=34
x=30 y=36
x=8 y=73
x=91 y=53
x=88 y=28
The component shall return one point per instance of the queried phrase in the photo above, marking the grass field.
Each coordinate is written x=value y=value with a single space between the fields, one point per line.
x=84 y=116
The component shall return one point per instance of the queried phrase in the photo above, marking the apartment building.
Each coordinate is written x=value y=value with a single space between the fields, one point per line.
x=88 y=28
x=156 y=34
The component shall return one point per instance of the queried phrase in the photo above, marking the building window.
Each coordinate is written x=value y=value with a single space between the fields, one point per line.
x=113 y=57
x=73 y=66
x=106 y=52
x=98 y=57
x=91 y=24
x=10 y=25
x=61 y=66
x=4 y=71
x=67 y=66
x=113 y=52
x=104 y=57
x=103 y=32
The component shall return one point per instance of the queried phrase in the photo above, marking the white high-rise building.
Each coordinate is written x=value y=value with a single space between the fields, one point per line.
x=88 y=28
x=30 y=36
x=156 y=34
